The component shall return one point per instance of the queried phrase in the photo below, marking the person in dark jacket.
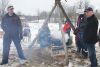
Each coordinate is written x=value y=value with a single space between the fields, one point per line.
x=81 y=48
x=90 y=35
x=12 y=27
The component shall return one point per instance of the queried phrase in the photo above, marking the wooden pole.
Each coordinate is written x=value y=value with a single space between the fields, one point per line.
x=63 y=39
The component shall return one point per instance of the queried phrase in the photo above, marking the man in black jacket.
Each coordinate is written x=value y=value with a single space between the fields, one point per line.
x=90 y=35
x=12 y=27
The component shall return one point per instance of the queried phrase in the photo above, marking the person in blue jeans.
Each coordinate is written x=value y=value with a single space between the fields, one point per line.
x=12 y=27
x=79 y=32
x=90 y=35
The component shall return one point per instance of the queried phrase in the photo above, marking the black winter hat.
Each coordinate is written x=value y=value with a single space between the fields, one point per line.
x=88 y=9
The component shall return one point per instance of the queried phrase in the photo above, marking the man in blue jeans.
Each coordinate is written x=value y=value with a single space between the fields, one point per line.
x=12 y=27
x=90 y=35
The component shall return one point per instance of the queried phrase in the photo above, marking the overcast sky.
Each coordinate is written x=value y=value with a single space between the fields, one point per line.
x=32 y=6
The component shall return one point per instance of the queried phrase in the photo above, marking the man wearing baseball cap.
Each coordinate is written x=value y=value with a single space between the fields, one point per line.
x=90 y=35
x=11 y=25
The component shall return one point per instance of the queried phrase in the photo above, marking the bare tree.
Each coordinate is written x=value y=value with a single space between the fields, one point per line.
x=86 y=4
x=3 y=4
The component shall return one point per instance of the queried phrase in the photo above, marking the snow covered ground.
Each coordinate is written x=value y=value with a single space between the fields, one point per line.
x=55 y=32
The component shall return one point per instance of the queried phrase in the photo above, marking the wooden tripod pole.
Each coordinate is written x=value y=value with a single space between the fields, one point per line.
x=66 y=60
x=57 y=2
x=63 y=37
